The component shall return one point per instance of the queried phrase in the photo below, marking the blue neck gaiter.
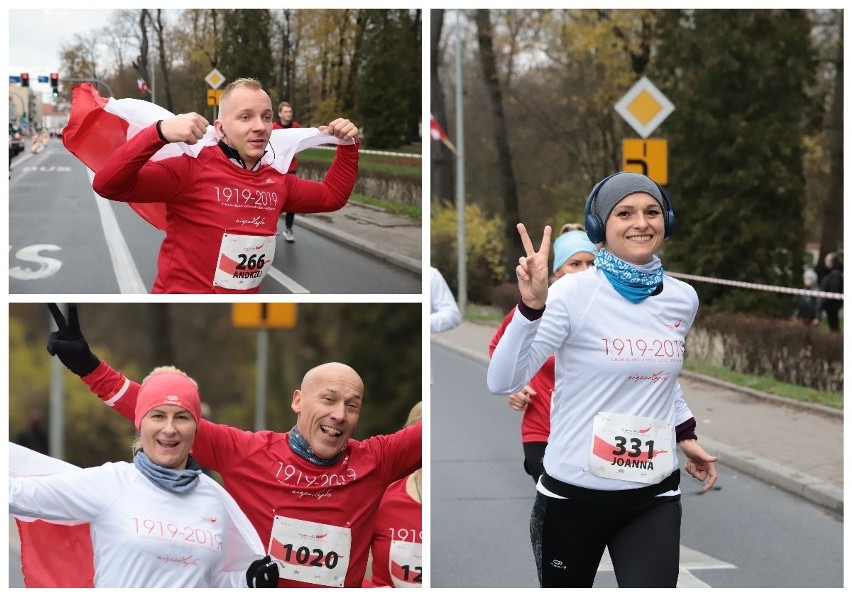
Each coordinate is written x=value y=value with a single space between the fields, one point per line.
x=634 y=282
x=300 y=446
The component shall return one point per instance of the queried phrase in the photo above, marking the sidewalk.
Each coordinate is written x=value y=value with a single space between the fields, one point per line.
x=397 y=239
x=793 y=446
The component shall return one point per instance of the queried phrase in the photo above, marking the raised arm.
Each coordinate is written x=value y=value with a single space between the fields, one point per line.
x=513 y=363
x=69 y=345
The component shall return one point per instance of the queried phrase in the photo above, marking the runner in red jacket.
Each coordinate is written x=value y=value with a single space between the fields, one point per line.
x=223 y=206
x=572 y=252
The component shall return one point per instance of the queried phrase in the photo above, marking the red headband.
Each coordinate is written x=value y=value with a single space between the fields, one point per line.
x=167 y=388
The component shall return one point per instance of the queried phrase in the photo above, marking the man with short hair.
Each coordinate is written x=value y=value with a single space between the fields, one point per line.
x=311 y=493
x=222 y=206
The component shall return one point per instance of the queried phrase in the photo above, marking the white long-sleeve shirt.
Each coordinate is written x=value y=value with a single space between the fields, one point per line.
x=142 y=536
x=611 y=356
x=445 y=312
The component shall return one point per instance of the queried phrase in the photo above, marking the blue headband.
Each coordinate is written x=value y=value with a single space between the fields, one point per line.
x=569 y=244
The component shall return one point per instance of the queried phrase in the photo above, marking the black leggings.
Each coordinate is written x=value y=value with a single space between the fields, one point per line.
x=569 y=536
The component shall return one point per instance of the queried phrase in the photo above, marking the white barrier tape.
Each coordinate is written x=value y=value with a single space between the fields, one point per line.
x=751 y=286
x=373 y=152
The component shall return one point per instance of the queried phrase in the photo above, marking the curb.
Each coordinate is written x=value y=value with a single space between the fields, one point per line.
x=807 y=487
x=381 y=252
x=802 y=485
x=784 y=401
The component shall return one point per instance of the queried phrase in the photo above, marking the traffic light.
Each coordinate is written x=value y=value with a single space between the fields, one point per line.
x=54 y=83
x=25 y=79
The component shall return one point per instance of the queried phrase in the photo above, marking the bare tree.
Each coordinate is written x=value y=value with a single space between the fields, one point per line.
x=442 y=157
x=505 y=174
x=832 y=221
x=141 y=62
x=164 y=57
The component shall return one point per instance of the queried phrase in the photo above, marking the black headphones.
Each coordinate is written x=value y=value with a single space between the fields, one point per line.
x=596 y=229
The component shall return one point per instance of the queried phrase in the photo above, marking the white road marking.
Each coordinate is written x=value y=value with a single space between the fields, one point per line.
x=126 y=273
x=288 y=282
x=689 y=560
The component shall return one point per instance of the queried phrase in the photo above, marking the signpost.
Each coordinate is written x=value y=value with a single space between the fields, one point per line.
x=215 y=79
x=250 y=314
x=263 y=317
x=644 y=107
x=646 y=156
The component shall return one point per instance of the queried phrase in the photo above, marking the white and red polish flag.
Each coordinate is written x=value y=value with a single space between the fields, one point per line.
x=438 y=133
x=143 y=86
x=54 y=554
x=99 y=125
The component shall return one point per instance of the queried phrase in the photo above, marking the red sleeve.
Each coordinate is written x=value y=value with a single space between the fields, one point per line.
x=220 y=447
x=114 y=389
x=308 y=196
x=216 y=446
x=129 y=176
x=499 y=333
x=400 y=453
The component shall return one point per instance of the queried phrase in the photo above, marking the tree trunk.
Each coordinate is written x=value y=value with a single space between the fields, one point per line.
x=832 y=224
x=505 y=175
x=442 y=158
x=161 y=46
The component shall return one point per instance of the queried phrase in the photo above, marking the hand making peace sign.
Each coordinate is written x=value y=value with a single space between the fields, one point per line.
x=68 y=343
x=532 y=269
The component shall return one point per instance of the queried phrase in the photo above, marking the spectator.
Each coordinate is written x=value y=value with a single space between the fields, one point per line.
x=445 y=312
x=808 y=311
x=832 y=282
x=35 y=436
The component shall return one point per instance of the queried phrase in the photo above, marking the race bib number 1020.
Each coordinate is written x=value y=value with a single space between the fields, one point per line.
x=310 y=552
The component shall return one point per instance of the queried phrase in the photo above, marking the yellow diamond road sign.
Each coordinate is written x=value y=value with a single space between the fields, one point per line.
x=644 y=107
x=215 y=78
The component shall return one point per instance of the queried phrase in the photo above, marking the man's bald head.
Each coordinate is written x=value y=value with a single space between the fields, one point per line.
x=328 y=406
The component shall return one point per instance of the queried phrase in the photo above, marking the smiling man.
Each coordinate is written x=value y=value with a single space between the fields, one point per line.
x=311 y=493
x=222 y=208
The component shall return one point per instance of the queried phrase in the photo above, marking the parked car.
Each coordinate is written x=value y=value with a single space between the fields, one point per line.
x=16 y=140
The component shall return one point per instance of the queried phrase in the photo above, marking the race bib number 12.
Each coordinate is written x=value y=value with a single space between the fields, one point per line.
x=406 y=564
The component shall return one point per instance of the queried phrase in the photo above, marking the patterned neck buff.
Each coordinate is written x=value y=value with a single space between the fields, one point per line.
x=634 y=282
x=300 y=445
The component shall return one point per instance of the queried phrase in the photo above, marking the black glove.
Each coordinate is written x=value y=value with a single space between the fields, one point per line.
x=69 y=344
x=263 y=573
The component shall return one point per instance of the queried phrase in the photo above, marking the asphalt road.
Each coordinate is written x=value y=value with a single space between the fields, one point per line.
x=65 y=239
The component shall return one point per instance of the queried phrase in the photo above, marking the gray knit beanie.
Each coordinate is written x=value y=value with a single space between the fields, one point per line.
x=619 y=186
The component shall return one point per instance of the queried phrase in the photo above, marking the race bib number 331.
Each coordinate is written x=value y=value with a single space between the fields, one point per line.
x=632 y=448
